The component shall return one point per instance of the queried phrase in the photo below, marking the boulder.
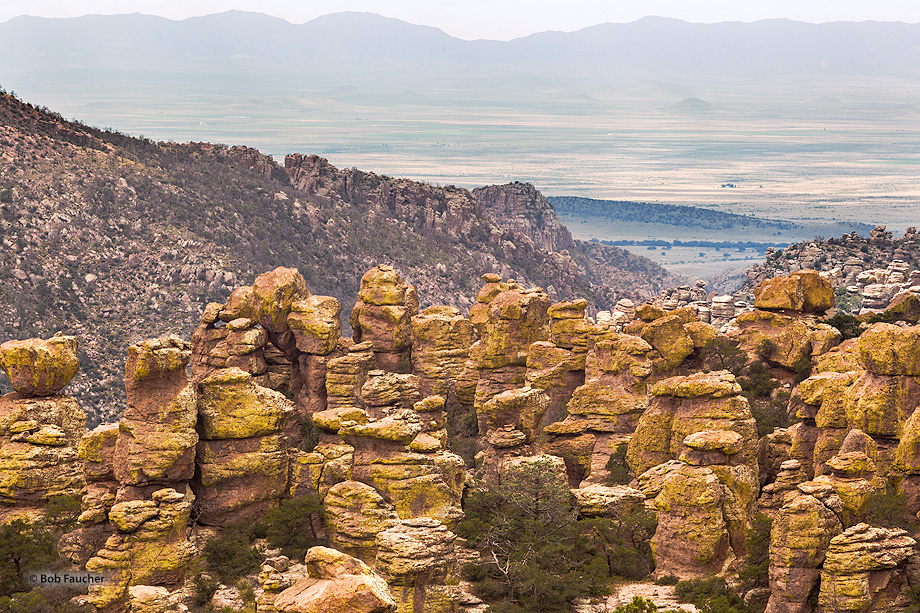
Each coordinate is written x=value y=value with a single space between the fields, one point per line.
x=802 y=531
x=231 y=406
x=336 y=583
x=804 y=291
x=39 y=367
x=315 y=324
x=418 y=561
x=355 y=514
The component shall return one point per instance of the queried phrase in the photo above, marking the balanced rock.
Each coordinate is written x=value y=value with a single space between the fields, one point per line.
x=804 y=291
x=39 y=367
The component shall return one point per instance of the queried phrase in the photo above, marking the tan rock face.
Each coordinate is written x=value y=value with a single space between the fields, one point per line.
x=865 y=570
x=355 y=513
x=441 y=340
x=336 y=582
x=157 y=436
x=383 y=313
x=38 y=451
x=801 y=534
x=274 y=294
x=315 y=324
x=886 y=349
x=240 y=479
x=39 y=367
x=231 y=406
x=682 y=406
x=149 y=546
x=804 y=290
x=692 y=537
x=418 y=561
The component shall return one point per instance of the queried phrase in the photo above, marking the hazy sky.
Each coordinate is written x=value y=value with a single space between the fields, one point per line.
x=497 y=19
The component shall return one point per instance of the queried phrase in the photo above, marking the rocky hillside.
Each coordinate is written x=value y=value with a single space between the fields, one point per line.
x=851 y=253
x=113 y=238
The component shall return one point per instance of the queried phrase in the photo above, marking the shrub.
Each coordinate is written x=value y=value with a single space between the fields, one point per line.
x=638 y=605
x=667 y=580
x=759 y=380
x=710 y=595
x=755 y=573
x=232 y=554
x=886 y=509
x=24 y=546
x=205 y=587
x=294 y=525
x=537 y=557
x=721 y=354
x=617 y=468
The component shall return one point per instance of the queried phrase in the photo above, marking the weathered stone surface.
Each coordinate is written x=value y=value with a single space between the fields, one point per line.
x=607 y=501
x=780 y=339
x=827 y=391
x=441 y=340
x=692 y=538
x=880 y=404
x=39 y=367
x=886 y=349
x=231 y=406
x=157 y=436
x=414 y=551
x=97 y=450
x=802 y=531
x=669 y=337
x=336 y=583
x=273 y=296
x=418 y=561
x=240 y=479
x=682 y=406
x=865 y=570
x=151 y=550
x=508 y=324
x=39 y=438
x=804 y=290
x=355 y=513
x=315 y=324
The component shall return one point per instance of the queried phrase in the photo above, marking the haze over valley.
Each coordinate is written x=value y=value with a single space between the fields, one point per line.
x=776 y=119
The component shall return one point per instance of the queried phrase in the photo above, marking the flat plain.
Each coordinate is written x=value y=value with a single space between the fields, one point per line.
x=824 y=155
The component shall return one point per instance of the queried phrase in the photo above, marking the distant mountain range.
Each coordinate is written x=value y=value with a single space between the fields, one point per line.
x=367 y=49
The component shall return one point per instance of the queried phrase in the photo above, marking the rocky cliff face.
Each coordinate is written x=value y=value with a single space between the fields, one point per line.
x=116 y=239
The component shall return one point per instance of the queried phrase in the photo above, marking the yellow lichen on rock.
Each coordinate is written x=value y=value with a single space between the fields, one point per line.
x=39 y=367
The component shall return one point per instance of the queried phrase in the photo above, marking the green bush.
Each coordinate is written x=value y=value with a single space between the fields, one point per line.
x=721 y=354
x=759 y=381
x=710 y=595
x=41 y=600
x=232 y=554
x=294 y=525
x=638 y=605
x=667 y=580
x=24 y=546
x=536 y=555
x=617 y=468
x=886 y=509
x=755 y=572
x=205 y=587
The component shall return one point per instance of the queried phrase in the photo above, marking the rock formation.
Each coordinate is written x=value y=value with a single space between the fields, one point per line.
x=40 y=428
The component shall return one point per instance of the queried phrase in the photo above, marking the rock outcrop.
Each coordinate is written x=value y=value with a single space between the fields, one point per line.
x=40 y=429
x=865 y=569
x=39 y=367
x=336 y=582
